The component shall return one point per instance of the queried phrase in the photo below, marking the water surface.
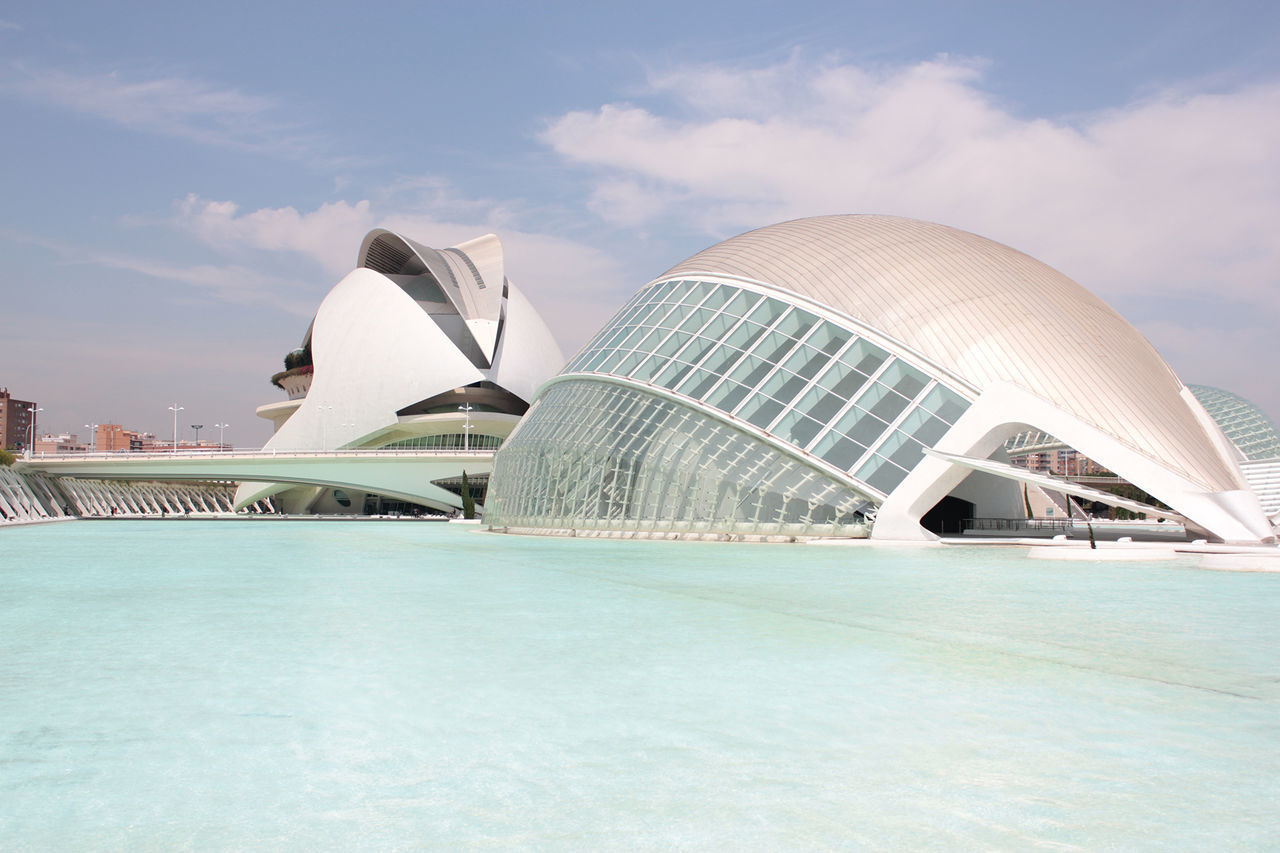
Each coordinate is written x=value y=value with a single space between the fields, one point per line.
x=215 y=685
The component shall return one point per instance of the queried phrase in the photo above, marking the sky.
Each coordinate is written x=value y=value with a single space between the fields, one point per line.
x=183 y=183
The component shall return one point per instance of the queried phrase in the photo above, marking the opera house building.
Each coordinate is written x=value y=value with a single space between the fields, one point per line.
x=416 y=349
x=851 y=376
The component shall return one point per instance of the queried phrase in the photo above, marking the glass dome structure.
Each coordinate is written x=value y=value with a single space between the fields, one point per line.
x=827 y=376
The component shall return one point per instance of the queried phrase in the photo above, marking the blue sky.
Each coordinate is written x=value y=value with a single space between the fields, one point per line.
x=185 y=182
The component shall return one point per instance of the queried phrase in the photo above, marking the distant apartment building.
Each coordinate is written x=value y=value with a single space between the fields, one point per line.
x=15 y=421
x=63 y=443
x=113 y=438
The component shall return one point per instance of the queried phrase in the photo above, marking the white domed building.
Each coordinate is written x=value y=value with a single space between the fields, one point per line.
x=850 y=374
x=416 y=349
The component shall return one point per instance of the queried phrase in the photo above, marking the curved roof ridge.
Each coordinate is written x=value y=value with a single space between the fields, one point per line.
x=989 y=312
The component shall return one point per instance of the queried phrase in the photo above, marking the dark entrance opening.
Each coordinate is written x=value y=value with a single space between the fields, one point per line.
x=947 y=516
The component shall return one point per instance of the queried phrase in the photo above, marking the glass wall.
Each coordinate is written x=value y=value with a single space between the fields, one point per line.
x=445 y=441
x=594 y=455
x=812 y=383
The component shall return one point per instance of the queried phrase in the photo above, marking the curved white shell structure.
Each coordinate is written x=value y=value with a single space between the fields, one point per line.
x=811 y=376
x=406 y=339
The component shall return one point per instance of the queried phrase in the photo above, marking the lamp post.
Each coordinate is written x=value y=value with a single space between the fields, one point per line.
x=31 y=441
x=93 y=428
x=222 y=432
x=466 y=427
x=197 y=428
x=175 y=408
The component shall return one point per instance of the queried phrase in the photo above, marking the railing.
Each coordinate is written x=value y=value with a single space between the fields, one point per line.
x=1063 y=524
x=90 y=456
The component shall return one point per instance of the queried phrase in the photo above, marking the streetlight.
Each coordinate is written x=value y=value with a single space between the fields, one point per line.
x=466 y=428
x=93 y=428
x=222 y=431
x=31 y=442
x=175 y=408
x=197 y=428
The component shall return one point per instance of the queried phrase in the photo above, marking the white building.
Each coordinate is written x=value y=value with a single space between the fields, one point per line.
x=415 y=349
x=832 y=375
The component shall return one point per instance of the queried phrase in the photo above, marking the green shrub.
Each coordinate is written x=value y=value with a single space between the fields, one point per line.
x=468 y=502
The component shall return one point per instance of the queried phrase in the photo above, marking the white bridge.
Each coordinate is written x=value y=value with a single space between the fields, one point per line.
x=403 y=474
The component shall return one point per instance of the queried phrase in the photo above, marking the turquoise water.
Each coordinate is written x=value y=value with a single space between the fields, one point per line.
x=206 y=685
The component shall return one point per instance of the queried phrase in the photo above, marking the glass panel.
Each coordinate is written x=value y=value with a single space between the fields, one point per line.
x=719 y=327
x=806 y=361
x=820 y=404
x=632 y=337
x=829 y=338
x=881 y=473
x=901 y=450
x=743 y=302
x=750 y=370
x=797 y=429
x=611 y=362
x=672 y=374
x=760 y=410
x=745 y=335
x=861 y=426
x=904 y=379
x=945 y=403
x=660 y=292
x=843 y=380
x=721 y=358
x=696 y=319
x=696 y=349
x=840 y=451
x=676 y=317
x=645 y=371
x=797 y=323
x=632 y=363
x=908 y=454
x=865 y=357
x=882 y=402
x=783 y=386
x=773 y=347
x=698 y=382
x=728 y=395
x=767 y=311
x=673 y=343
x=718 y=297
x=924 y=426
x=697 y=291
x=609 y=338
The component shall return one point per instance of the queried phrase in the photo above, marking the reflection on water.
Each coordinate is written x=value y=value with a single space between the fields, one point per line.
x=219 y=685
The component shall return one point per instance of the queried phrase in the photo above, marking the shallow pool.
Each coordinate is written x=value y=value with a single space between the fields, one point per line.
x=281 y=685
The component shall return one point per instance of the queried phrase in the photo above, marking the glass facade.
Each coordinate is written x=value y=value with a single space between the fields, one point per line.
x=815 y=385
x=446 y=441
x=1247 y=426
x=594 y=455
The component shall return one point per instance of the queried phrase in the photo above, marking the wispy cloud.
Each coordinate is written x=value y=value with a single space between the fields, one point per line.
x=173 y=106
x=225 y=283
x=232 y=283
x=9 y=25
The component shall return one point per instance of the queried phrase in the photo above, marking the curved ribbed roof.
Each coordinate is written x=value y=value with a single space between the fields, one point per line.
x=1248 y=427
x=988 y=313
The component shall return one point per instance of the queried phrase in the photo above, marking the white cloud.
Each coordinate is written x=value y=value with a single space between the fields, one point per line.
x=168 y=105
x=9 y=25
x=224 y=283
x=329 y=235
x=1176 y=194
